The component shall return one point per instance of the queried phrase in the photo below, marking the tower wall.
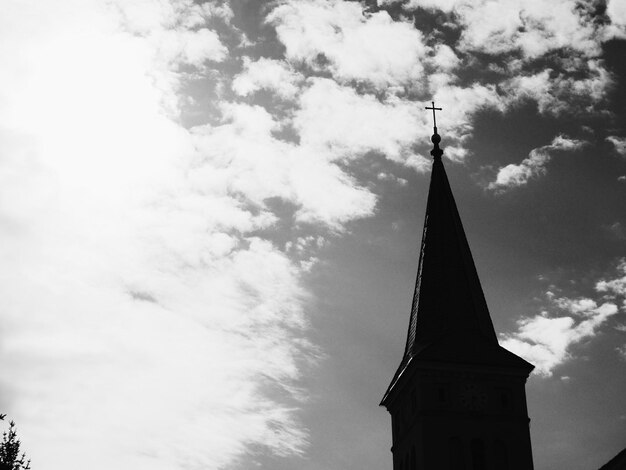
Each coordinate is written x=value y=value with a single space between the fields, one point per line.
x=460 y=418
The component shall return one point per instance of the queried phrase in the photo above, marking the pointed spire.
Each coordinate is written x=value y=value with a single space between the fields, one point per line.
x=448 y=295
x=449 y=320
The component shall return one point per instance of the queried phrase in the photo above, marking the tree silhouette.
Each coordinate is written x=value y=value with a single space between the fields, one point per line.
x=10 y=458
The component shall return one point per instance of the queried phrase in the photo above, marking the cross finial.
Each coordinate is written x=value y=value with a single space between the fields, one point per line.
x=434 y=116
x=436 y=152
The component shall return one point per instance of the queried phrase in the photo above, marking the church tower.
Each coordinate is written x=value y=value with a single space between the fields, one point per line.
x=457 y=400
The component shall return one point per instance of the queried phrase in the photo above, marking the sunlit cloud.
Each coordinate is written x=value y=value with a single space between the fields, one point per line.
x=545 y=341
x=336 y=36
x=619 y=143
x=617 y=286
x=576 y=88
x=616 y=11
x=534 y=165
x=336 y=120
x=548 y=339
x=242 y=156
x=531 y=27
x=143 y=326
x=561 y=40
x=267 y=74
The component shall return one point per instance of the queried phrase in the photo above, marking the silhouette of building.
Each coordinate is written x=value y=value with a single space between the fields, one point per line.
x=616 y=463
x=457 y=400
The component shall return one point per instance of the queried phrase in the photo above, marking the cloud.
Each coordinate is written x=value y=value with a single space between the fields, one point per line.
x=336 y=36
x=546 y=341
x=507 y=44
x=382 y=176
x=617 y=286
x=242 y=157
x=529 y=26
x=533 y=166
x=518 y=175
x=532 y=27
x=619 y=143
x=336 y=120
x=143 y=324
x=267 y=74
x=192 y=47
x=304 y=248
x=460 y=104
x=176 y=33
x=557 y=92
x=616 y=11
x=330 y=37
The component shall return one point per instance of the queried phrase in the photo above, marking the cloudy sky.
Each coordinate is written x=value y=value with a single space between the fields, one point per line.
x=210 y=215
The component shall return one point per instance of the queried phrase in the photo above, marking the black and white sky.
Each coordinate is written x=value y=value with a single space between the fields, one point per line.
x=210 y=215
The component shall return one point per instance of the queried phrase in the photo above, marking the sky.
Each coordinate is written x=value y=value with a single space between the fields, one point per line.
x=210 y=216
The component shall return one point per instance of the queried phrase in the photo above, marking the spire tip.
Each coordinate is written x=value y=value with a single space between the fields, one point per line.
x=436 y=152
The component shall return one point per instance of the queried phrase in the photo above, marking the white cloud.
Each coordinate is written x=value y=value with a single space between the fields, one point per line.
x=518 y=175
x=146 y=16
x=303 y=245
x=336 y=119
x=176 y=31
x=533 y=27
x=557 y=92
x=218 y=9
x=533 y=166
x=382 y=176
x=560 y=38
x=327 y=194
x=619 y=143
x=459 y=106
x=191 y=47
x=616 y=10
x=142 y=324
x=304 y=248
x=444 y=5
x=582 y=306
x=546 y=341
x=336 y=36
x=267 y=74
x=617 y=286
x=242 y=157
x=444 y=58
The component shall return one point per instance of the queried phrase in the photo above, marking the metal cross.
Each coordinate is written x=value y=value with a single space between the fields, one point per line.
x=434 y=109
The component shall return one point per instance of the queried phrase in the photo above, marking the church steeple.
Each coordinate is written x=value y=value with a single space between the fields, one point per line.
x=448 y=296
x=451 y=337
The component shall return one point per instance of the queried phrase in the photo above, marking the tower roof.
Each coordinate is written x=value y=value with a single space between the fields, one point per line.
x=449 y=320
